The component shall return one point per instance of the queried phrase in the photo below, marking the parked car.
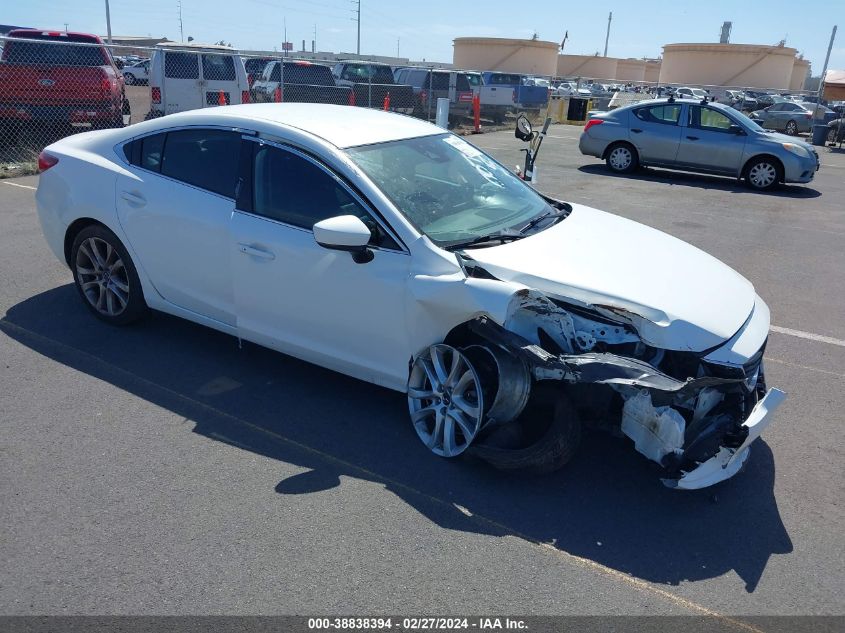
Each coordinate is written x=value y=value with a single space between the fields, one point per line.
x=187 y=77
x=304 y=82
x=255 y=66
x=138 y=73
x=431 y=85
x=390 y=250
x=690 y=93
x=372 y=85
x=691 y=136
x=568 y=89
x=524 y=97
x=59 y=78
x=786 y=116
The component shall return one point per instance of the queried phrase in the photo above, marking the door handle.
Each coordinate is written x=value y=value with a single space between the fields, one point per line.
x=636 y=131
x=255 y=252
x=135 y=199
x=693 y=138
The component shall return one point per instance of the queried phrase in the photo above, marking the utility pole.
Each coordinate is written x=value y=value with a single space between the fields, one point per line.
x=824 y=70
x=65 y=27
x=108 y=22
x=285 y=43
x=607 y=38
x=181 y=31
x=358 y=20
x=314 y=45
x=397 y=47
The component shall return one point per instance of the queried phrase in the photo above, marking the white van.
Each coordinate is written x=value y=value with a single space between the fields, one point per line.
x=190 y=76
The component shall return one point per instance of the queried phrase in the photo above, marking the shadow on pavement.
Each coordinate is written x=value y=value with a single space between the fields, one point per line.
x=607 y=505
x=702 y=181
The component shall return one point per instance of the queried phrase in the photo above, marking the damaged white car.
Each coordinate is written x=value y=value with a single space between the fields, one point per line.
x=382 y=247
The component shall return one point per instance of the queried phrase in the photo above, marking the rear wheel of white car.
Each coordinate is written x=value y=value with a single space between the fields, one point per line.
x=445 y=400
x=106 y=277
x=791 y=128
x=831 y=136
x=130 y=78
x=622 y=158
x=763 y=173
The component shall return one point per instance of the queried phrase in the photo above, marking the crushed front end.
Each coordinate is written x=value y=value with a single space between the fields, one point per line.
x=694 y=413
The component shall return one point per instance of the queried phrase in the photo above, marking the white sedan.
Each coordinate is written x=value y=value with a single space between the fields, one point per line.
x=387 y=249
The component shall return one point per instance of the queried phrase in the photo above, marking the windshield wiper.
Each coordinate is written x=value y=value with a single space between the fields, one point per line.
x=557 y=213
x=500 y=236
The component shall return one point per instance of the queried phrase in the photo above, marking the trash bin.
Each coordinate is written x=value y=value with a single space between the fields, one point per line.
x=577 y=109
x=819 y=133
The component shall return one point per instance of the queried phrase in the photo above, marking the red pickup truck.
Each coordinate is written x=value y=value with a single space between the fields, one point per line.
x=57 y=78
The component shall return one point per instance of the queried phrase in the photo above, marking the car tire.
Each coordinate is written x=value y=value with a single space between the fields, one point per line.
x=762 y=174
x=791 y=128
x=129 y=78
x=105 y=276
x=504 y=447
x=831 y=136
x=622 y=158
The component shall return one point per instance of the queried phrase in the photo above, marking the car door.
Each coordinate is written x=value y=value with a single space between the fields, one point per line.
x=181 y=90
x=656 y=133
x=219 y=80
x=300 y=298
x=710 y=141
x=174 y=204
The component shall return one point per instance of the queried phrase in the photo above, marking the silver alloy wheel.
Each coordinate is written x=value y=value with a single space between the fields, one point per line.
x=102 y=276
x=445 y=401
x=762 y=175
x=831 y=136
x=620 y=158
x=791 y=128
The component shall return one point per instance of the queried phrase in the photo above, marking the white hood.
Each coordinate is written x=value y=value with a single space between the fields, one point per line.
x=677 y=296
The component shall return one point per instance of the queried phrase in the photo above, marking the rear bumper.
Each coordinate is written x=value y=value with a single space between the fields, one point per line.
x=85 y=112
x=590 y=146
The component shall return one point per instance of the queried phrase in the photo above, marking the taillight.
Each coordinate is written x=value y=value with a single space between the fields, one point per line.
x=106 y=85
x=155 y=94
x=592 y=122
x=244 y=96
x=45 y=161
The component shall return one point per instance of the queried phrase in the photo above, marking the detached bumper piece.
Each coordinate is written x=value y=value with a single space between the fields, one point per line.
x=698 y=429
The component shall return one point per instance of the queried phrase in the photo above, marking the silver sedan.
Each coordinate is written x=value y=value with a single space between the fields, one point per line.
x=696 y=136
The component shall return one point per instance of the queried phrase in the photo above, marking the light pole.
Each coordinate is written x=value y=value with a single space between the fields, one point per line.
x=607 y=37
x=108 y=23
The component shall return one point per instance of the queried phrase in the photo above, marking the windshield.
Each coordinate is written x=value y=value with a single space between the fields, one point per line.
x=449 y=189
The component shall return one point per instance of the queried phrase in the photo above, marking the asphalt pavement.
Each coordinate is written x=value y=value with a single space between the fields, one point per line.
x=165 y=469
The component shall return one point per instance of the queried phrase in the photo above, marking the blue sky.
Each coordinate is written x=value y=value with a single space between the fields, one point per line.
x=425 y=30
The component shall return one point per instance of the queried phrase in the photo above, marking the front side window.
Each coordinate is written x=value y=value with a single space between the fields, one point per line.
x=293 y=190
x=204 y=158
x=218 y=68
x=447 y=188
x=181 y=66
x=708 y=119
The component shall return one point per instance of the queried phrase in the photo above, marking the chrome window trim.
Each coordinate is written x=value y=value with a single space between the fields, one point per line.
x=121 y=154
x=366 y=205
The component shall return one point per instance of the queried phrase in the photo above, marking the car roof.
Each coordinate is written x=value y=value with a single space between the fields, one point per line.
x=715 y=104
x=342 y=126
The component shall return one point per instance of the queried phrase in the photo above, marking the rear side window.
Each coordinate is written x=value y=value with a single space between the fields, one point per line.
x=507 y=80
x=462 y=84
x=207 y=159
x=146 y=152
x=218 y=68
x=439 y=81
x=666 y=114
x=181 y=66
x=53 y=54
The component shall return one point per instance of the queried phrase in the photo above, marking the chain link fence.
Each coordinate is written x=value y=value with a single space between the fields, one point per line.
x=53 y=84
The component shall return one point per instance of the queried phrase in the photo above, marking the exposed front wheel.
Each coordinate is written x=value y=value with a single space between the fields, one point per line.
x=106 y=277
x=445 y=400
x=622 y=158
x=762 y=174
x=791 y=128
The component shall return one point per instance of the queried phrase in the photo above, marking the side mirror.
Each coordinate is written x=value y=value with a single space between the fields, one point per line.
x=523 y=129
x=345 y=233
x=735 y=129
